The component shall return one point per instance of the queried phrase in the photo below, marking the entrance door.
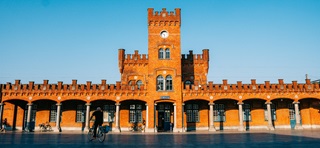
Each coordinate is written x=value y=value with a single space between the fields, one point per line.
x=164 y=117
x=292 y=116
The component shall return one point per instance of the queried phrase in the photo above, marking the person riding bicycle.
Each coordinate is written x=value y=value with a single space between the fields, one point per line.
x=98 y=114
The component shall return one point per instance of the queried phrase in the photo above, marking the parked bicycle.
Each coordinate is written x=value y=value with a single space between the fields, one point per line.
x=45 y=127
x=101 y=133
x=136 y=127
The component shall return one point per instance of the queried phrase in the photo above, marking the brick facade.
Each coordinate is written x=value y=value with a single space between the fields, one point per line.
x=166 y=89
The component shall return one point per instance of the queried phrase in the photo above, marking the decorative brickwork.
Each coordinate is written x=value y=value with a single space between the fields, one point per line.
x=164 y=89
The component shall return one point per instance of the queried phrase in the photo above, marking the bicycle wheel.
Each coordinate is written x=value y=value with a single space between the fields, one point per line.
x=49 y=128
x=101 y=135
x=42 y=129
x=90 y=134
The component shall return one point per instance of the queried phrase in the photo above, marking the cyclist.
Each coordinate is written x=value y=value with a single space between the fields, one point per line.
x=98 y=115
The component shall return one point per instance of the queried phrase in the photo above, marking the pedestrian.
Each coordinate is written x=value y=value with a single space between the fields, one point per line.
x=98 y=115
x=4 y=123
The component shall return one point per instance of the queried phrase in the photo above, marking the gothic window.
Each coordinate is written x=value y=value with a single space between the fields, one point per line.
x=135 y=114
x=139 y=83
x=161 y=53
x=192 y=111
x=169 y=82
x=160 y=83
x=167 y=53
x=219 y=113
x=108 y=113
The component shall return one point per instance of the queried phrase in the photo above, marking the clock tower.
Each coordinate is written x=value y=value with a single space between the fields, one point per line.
x=164 y=68
x=164 y=50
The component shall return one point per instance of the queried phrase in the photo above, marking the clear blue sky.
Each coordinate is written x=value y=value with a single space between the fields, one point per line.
x=61 y=40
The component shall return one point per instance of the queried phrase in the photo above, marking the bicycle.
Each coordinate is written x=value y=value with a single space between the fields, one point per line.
x=101 y=133
x=45 y=127
x=135 y=127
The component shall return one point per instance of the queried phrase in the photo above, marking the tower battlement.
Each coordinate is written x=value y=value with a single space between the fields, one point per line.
x=195 y=57
x=135 y=58
x=164 y=17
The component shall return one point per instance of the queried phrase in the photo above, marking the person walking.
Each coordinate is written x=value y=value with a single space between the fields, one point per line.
x=98 y=115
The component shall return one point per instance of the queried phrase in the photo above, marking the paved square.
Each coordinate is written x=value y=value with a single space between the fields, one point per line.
x=280 y=138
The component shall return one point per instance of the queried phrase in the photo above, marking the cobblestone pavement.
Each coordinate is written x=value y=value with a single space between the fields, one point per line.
x=278 y=138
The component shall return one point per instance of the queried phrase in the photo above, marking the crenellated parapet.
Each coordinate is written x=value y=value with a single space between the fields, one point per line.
x=195 y=58
x=74 y=89
x=164 y=18
x=129 y=59
x=280 y=87
x=136 y=58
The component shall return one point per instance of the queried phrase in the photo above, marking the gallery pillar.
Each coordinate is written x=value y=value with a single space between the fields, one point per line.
x=270 y=125
x=297 y=114
x=87 y=122
x=58 y=119
x=211 y=124
x=241 y=127
x=117 y=129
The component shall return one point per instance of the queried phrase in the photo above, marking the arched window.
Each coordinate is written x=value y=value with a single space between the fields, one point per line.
x=167 y=53
x=130 y=83
x=160 y=83
x=168 y=82
x=187 y=82
x=161 y=53
x=139 y=83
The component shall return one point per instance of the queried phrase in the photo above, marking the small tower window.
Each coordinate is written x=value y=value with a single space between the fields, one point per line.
x=160 y=83
x=161 y=53
x=164 y=54
x=169 y=82
x=139 y=83
x=167 y=53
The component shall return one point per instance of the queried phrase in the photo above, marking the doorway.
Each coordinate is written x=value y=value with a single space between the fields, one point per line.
x=292 y=116
x=164 y=117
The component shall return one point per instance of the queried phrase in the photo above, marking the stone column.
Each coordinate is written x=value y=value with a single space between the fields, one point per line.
x=27 y=128
x=117 y=129
x=87 y=122
x=211 y=124
x=297 y=114
x=1 y=113
x=241 y=127
x=175 y=118
x=58 y=128
x=270 y=125
x=146 y=126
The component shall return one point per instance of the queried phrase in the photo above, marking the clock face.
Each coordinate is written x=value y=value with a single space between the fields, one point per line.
x=164 y=34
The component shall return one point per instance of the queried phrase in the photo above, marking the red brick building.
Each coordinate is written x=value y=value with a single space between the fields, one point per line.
x=166 y=90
